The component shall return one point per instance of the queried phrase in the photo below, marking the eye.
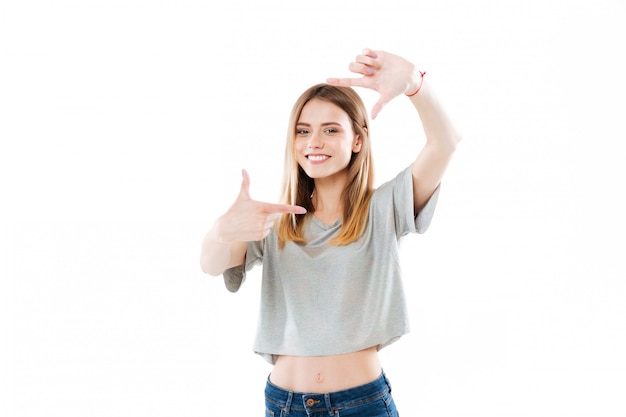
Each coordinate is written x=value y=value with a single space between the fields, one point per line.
x=302 y=132
x=331 y=131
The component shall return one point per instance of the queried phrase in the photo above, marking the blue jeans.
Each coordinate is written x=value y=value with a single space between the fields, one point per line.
x=369 y=400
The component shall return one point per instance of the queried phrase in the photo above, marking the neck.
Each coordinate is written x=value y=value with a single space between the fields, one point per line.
x=328 y=198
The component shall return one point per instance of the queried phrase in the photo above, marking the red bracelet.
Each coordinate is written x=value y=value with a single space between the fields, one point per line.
x=418 y=88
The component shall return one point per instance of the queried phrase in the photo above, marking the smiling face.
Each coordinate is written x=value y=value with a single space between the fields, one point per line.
x=324 y=140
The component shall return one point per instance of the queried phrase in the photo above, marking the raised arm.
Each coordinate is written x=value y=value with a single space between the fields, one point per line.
x=224 y=246
x=391 y=75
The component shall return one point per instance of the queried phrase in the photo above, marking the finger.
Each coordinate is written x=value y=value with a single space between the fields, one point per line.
x=359 y=68
x=266 y=232
x=370 y=53
x=345 y=82
x=283 y=208
x=366 y=60
x=272 y=217
x=271 y=220
x=245 y=184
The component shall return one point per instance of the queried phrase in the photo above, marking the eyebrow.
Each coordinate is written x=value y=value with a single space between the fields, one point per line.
x=323 y=124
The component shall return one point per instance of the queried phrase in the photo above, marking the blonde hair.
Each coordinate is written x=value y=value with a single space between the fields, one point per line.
x=297 y=186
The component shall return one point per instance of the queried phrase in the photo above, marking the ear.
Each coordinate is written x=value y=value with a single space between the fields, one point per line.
x=356 y=146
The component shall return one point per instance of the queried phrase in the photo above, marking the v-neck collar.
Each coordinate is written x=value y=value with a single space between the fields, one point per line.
x=323 y=225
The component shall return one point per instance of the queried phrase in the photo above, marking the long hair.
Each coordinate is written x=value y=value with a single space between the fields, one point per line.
x=297 y=186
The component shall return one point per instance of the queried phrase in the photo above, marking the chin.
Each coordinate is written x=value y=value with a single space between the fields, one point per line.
x=313 y=175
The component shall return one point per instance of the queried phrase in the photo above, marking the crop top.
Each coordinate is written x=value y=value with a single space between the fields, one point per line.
x=319 y=299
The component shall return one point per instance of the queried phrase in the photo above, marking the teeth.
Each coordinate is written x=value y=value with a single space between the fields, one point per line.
x=317 y=157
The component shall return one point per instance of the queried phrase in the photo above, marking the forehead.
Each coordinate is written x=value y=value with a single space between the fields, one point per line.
x=318 y=111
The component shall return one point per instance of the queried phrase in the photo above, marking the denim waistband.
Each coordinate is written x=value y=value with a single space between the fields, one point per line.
x=313 y=402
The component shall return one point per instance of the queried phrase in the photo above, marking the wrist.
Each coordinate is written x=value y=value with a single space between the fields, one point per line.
x=416 y=84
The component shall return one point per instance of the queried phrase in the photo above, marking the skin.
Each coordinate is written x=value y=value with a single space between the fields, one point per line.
x=247 y=219
x=324 y=145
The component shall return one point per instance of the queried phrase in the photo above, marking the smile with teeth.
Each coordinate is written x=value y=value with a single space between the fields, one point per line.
x=318 y=158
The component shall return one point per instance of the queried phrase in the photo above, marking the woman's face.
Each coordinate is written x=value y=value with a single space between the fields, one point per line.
x=324 y=139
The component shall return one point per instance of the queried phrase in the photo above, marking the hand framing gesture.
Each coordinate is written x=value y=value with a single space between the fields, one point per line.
x=389 y=74
x=251 y=220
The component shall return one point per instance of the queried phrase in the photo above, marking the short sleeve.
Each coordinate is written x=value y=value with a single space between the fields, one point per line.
x=399 y=191
x=235 y=276
x=425 y=216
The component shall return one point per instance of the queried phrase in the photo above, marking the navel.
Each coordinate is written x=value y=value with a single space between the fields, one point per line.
x=319 y=378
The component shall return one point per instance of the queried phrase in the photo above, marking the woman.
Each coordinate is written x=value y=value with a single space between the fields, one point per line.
x=331 y=293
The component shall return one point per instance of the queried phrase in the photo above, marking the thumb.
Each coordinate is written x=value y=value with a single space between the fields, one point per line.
x=244 y=192
x=377 y=108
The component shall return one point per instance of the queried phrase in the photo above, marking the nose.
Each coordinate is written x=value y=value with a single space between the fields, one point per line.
x=315 y=141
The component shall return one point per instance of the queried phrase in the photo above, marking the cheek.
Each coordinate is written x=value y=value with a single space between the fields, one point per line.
x=298 y=148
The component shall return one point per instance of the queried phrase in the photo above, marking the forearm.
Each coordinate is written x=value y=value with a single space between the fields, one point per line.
x=439 y=129
x=217 y=255
x=442 y=138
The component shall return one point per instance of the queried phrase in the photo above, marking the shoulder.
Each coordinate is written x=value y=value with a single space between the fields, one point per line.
x=402 y=182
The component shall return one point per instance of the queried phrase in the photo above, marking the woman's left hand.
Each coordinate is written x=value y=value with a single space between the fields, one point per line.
x=389 y=74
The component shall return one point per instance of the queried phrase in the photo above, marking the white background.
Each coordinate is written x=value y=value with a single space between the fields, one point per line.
x=124 y=126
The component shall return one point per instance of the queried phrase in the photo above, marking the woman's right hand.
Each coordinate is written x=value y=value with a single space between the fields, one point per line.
x=248 y=219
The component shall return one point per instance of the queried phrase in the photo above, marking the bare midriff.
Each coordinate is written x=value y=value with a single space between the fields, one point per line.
x=321 y=374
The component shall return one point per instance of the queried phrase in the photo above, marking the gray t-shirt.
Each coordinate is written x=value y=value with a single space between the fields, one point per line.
x=319 y=299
